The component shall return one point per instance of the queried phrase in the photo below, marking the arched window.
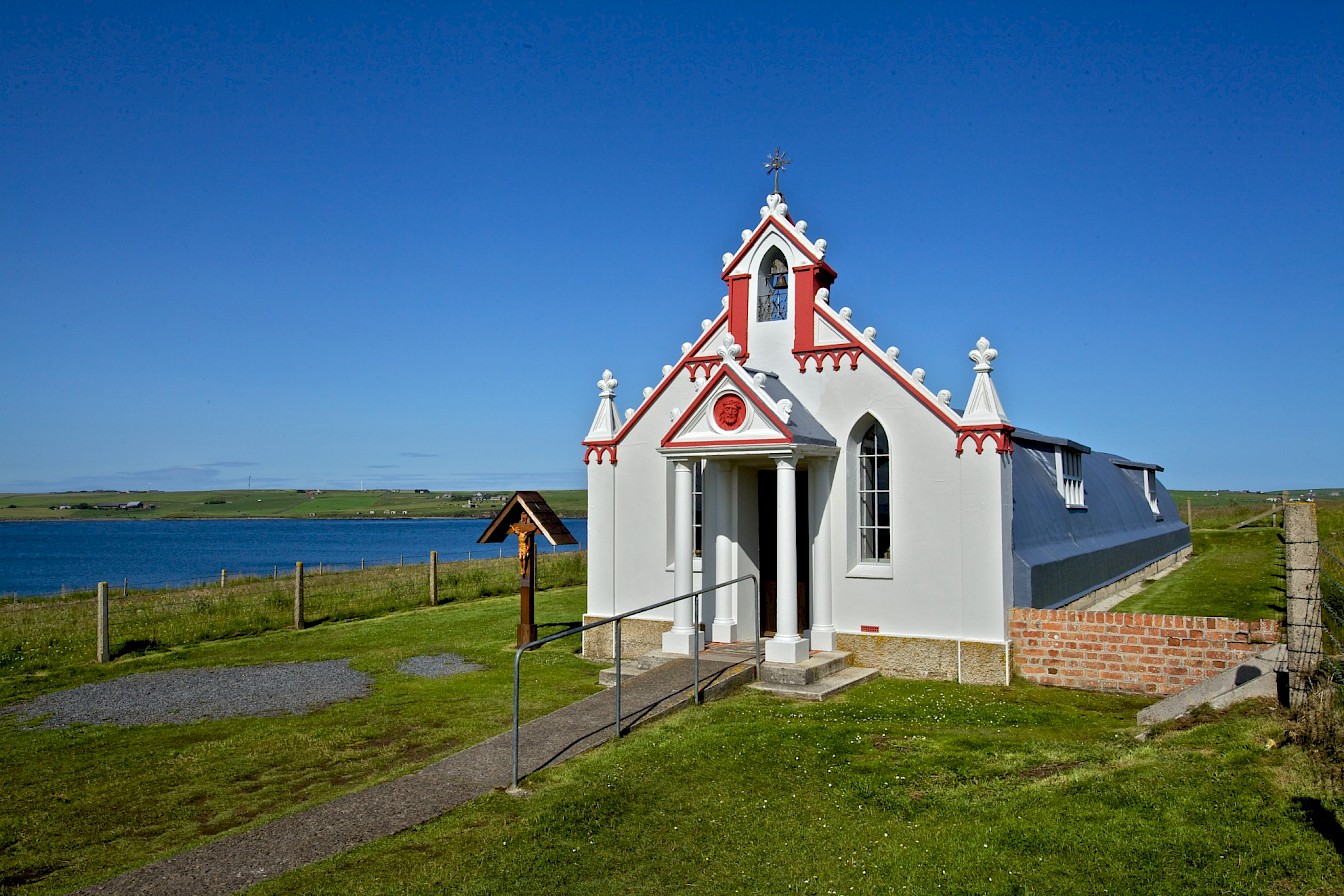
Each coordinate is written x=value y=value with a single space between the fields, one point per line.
x=772 y=301
x=873 y=496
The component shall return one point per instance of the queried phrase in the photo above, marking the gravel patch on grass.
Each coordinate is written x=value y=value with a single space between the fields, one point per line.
x=439 y=666
x=188 y=695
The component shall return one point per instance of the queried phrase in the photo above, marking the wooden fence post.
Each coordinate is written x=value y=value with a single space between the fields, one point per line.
x=1302 y=562
x=104 y=638
x=223 y=577
x=298 y=596
x=433 y=578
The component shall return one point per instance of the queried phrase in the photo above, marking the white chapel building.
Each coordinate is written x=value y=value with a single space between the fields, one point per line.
x=878 y=519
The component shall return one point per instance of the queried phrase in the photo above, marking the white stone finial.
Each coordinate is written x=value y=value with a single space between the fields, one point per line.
x=729 y=349
x=629 y=412
x=983 y=355
x=746 y=235
x=824 y=296
x=983 y=408
x=917 y=374
x=847 y=313
x=759 y=380
x=706 y=324
x=893 y=353
x=870 y=333
x=724 y=301
x=802 y=227
x=821 y=247
x=685 y=347
x=667 y=368
x=676 y=412
x=605 y=421
x=945 y=396
x=785 y=409
x=648 y=390
x=727 y=257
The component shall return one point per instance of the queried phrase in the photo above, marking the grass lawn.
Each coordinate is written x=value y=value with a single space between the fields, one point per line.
x=81 y=804
x=1232 y=572
x=898 y=787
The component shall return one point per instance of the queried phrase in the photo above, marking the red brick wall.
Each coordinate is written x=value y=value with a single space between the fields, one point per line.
x=1137 y=653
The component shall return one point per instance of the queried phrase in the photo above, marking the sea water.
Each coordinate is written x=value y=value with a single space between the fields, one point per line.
x=47 y=557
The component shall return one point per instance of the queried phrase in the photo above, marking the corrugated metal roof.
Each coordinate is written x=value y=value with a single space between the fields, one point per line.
x=1060 y=554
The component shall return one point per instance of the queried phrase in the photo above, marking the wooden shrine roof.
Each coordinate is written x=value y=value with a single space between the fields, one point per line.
x=533 y=506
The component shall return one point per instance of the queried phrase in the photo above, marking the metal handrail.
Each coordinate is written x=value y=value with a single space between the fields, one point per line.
x=695 y=683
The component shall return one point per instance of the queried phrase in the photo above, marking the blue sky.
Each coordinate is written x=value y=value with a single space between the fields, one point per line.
x=328 y=245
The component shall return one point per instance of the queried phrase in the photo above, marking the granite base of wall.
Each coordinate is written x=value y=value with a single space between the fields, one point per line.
x=943 y=659
x=1137 y=653
x=638 y=637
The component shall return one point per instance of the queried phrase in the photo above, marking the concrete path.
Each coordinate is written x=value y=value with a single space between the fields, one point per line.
x=234 y=863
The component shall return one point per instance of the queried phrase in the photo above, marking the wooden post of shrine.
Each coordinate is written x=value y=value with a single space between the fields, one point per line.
x=527 y=577
x=526 y=515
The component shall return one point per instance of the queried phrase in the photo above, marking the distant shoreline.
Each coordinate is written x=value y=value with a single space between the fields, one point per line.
x=272 y=504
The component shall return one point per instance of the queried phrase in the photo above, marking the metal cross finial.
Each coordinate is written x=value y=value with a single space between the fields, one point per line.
x=778 y=162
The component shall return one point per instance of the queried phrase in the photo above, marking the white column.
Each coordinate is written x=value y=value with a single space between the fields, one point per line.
x=787 y=646
x=823 y=619
x=684 y=636
x=722 y=501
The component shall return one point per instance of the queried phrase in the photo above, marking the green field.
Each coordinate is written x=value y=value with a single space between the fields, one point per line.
x=897 y=786
x=278 y=503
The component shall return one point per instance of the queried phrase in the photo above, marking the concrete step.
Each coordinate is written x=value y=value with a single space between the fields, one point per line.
x=836 y=683
x=816 y=667
x=1253 y=678
x=632 y=666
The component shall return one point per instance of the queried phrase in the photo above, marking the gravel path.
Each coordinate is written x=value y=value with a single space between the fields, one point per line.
x=440 y=666
x=188 y=695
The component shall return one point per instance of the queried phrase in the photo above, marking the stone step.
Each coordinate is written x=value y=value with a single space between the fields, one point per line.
x=818 y=690
x=816 y=667
x=1255 y=677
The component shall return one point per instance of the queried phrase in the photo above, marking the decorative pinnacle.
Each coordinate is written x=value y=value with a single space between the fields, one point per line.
x=607 y=385
x=982 y=355
x=778 y=162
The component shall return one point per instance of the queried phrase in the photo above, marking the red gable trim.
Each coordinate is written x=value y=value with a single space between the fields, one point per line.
x=703 y=396
x=1001 y=433
x=767 y=222
x=647 y=403
x=880 y=359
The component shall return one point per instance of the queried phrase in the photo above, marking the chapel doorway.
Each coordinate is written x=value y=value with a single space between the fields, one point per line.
x=766 y=505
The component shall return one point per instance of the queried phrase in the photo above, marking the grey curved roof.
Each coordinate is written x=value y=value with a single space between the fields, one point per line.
x=1061 y=554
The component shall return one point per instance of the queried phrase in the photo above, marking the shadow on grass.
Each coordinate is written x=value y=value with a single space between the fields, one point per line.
x=134 y=647
x=1322 y=820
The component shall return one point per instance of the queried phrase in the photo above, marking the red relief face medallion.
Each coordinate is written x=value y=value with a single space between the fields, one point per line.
x=729 y=412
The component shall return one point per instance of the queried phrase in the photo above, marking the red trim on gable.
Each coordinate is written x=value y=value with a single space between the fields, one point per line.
x=880 y=359
x=835 y=353
x=703 y=365
x=597 y=450
x=646 y=403
x=807 y=279
x=739 y=309
x=1001 y=433
x=769 y=221
x=748 y=393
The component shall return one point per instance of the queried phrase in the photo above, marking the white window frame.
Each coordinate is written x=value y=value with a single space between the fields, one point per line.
x=866 y=493
x=1069 y=477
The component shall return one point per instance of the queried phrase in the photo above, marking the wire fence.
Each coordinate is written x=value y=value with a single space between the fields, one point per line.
x=40 y=633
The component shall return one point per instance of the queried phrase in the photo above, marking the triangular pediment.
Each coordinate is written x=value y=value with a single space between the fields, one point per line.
x=730 y=410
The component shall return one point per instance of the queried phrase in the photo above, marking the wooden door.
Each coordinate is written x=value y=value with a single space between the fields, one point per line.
x=766 y=505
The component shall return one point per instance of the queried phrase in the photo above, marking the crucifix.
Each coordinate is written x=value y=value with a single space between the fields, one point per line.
x=527 y=575
x=527 y=515
x=778 y=162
